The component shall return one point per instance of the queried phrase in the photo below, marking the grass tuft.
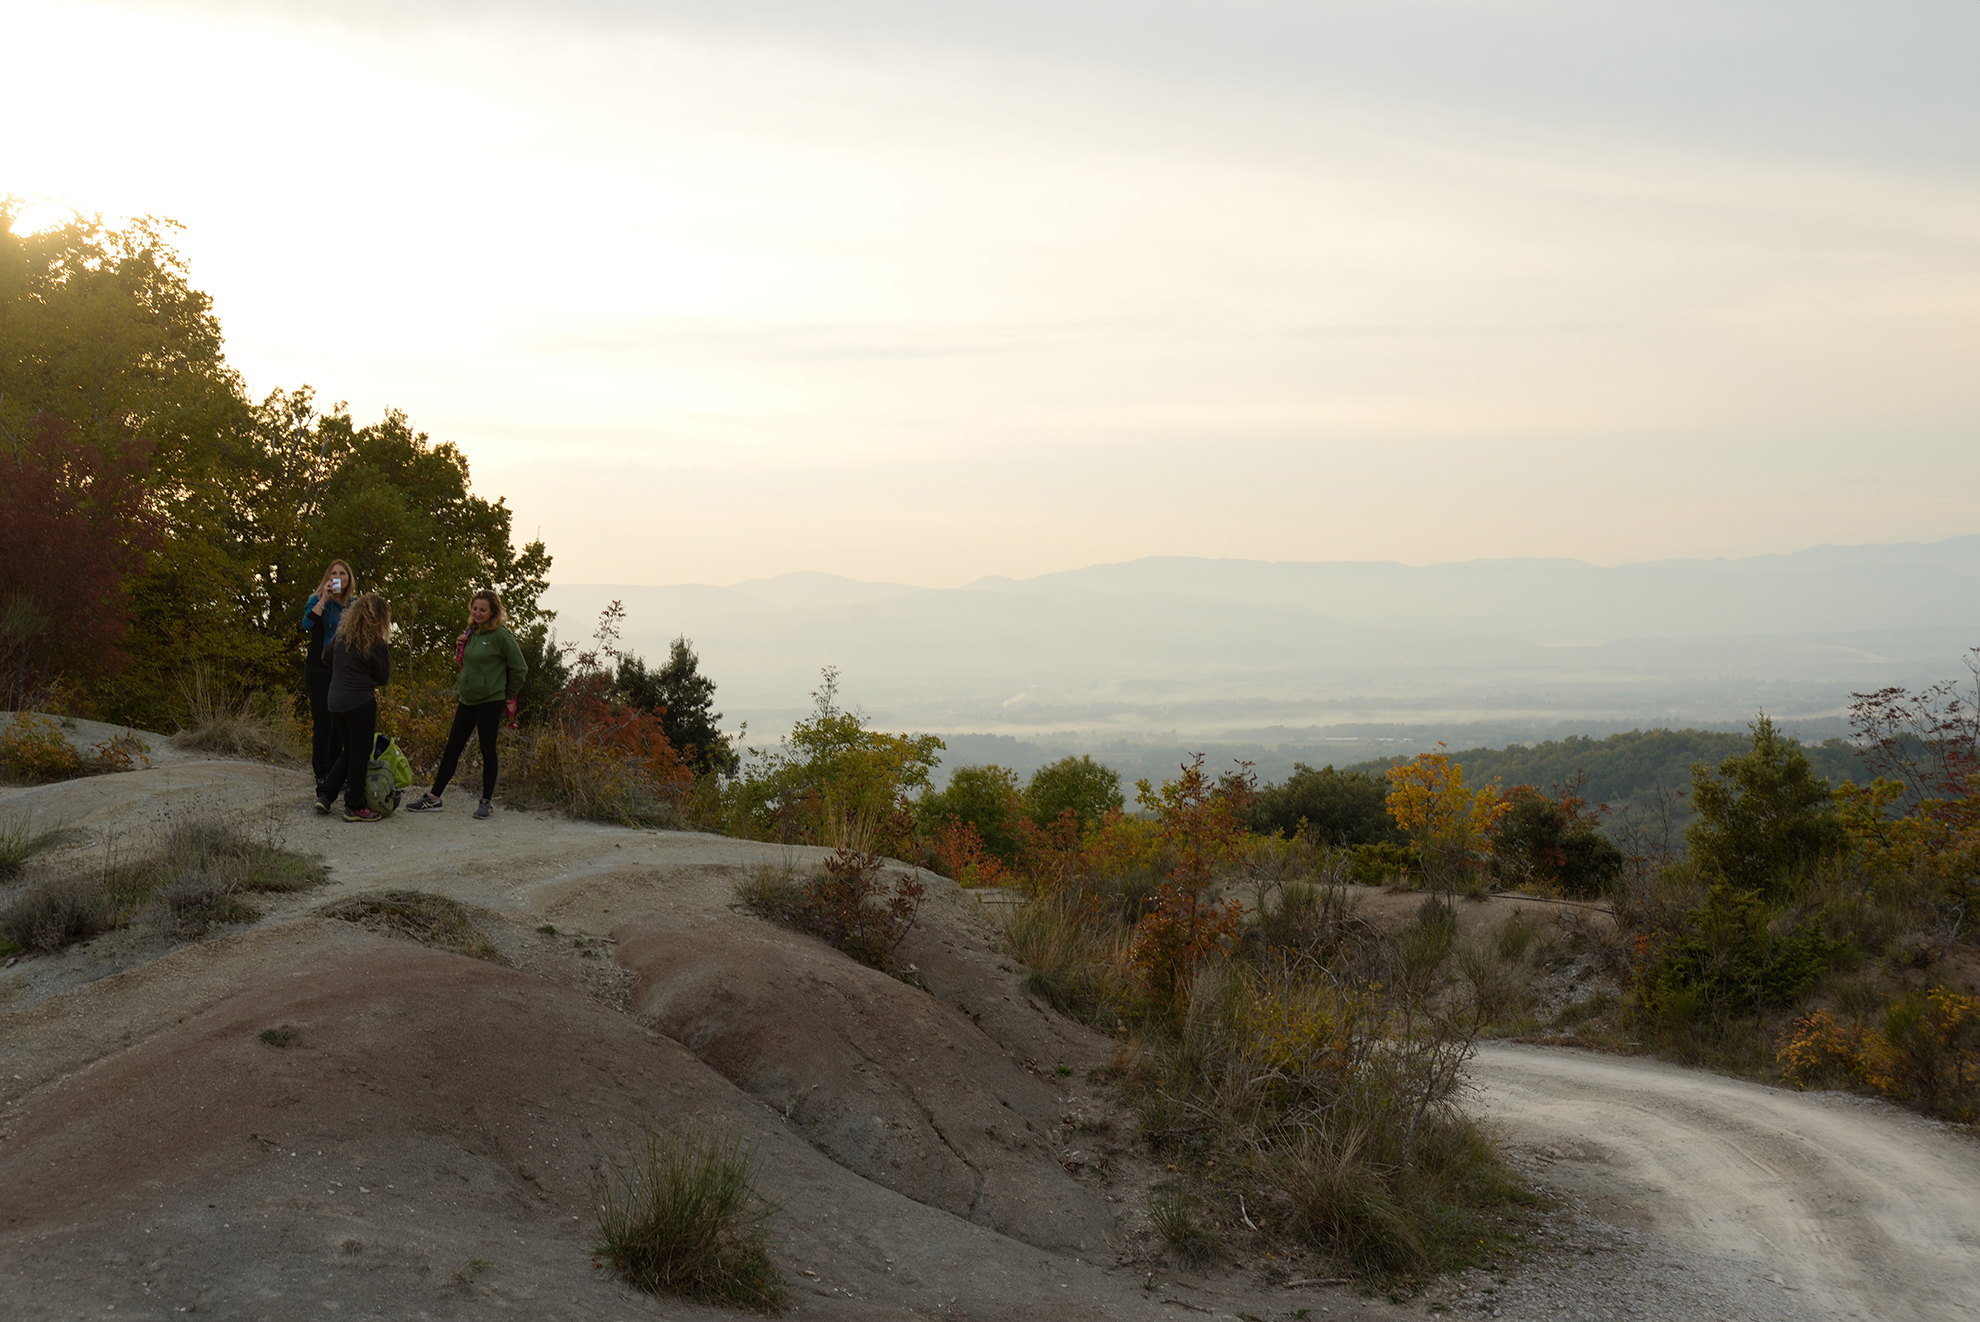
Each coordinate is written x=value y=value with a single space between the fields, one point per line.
x=195 y=879
x=19 y=842
x=255 y=725
x=1342 y=1203
x=683 y=1217
x=432 y=920
x=1173 y=1214
x=56 y=912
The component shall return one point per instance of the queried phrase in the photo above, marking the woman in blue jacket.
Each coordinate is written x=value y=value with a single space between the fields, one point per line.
x=319 y=621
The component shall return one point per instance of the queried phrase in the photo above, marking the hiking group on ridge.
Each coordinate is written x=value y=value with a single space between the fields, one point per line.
x=350 y=659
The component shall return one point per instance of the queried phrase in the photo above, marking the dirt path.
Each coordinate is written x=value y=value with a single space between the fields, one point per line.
x=1852 y=1208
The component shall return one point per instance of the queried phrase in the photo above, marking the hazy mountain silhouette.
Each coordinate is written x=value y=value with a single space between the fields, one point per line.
x=1212 y=646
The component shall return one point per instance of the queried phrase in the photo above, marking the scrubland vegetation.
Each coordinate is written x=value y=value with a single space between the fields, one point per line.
x=200 y=874
x=1296 y=1063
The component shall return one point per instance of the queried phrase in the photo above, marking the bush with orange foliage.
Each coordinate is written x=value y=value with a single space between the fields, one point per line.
x=1450 y=822
x=960 y=853
x=1926 y=1054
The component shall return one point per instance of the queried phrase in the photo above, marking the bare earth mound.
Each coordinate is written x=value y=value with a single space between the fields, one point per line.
x=309 y=1116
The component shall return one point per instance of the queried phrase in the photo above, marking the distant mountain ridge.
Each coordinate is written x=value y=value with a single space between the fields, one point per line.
x=1195 y=645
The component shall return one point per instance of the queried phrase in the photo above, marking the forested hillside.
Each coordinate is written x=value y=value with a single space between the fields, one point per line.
x=1625 y=768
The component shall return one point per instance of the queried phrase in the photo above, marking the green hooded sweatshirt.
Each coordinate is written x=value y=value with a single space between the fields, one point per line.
x=492 y=668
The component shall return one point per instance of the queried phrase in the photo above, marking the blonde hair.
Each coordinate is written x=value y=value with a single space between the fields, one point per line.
x=350 y=581
x=366 y=624
x=497 y=617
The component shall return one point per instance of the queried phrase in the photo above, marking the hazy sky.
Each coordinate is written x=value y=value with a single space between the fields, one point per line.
x=922 y=291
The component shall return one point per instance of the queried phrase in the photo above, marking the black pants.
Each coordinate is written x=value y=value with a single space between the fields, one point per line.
x=323 y=726
x=485 y=717
x=354 y=732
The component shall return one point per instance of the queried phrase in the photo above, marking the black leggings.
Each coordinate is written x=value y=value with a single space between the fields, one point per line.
x=323 y=744
x=354 y=731
x=485 y=717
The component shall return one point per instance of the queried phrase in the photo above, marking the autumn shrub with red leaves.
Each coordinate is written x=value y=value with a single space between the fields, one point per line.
x=601 y=760
x=846 y=903
x=960 y=853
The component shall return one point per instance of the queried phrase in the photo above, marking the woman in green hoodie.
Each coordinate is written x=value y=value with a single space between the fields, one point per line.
x=492 y=671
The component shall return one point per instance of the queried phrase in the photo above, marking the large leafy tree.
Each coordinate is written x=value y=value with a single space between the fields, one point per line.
x=73 y=527
x=1087 y=789
x=1338 y=807
x=101 y=328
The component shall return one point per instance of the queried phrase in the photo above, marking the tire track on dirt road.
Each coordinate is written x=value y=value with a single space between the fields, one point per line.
x=1858 y=1209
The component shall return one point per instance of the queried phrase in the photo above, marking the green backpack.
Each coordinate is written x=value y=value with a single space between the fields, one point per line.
x=388 y=773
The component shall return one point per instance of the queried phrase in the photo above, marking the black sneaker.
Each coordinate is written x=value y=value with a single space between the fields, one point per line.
x=486 y=808
x=425 y=803
x=323 y=807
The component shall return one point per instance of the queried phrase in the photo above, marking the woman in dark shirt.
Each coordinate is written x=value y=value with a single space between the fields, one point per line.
x=360 y=664
x=319 y=621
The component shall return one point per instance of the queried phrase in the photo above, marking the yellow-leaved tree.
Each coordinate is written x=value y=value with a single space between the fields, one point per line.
x=1450 y=821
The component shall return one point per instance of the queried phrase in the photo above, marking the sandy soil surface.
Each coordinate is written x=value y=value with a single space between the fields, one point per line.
x=1854 y=1208
x=428 y=1141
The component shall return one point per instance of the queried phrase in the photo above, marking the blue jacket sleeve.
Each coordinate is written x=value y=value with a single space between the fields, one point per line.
x=308 y=619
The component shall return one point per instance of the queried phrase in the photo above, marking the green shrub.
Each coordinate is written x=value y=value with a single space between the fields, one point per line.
x=1765 y=815
x=1548 y=843
x=845 y=903
x=984 y=798
x=1336 y=807
x=832 y=781
x=1727 y=958
x=34 y=750
x=683 y=1217
x=1087 y=789
x=1380 y=863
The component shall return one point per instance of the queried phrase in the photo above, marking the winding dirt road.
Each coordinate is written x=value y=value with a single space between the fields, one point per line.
x=1853 y=1208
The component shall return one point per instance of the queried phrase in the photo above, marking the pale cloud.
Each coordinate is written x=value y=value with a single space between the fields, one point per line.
x=923 y=292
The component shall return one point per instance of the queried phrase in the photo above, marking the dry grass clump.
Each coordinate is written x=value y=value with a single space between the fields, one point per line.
x=21 y=841
x=197 y=878
x=846 y=902
x=683 y=1217
x=256 y=725
x=57 y=912
x=1177 y=1218
x=1078 y=965
x=432 y=920
x=562 y=768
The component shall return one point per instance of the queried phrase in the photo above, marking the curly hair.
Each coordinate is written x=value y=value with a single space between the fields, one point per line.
x=367 y=623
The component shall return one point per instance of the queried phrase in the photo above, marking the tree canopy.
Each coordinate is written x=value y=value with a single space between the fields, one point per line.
x=230 y=508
